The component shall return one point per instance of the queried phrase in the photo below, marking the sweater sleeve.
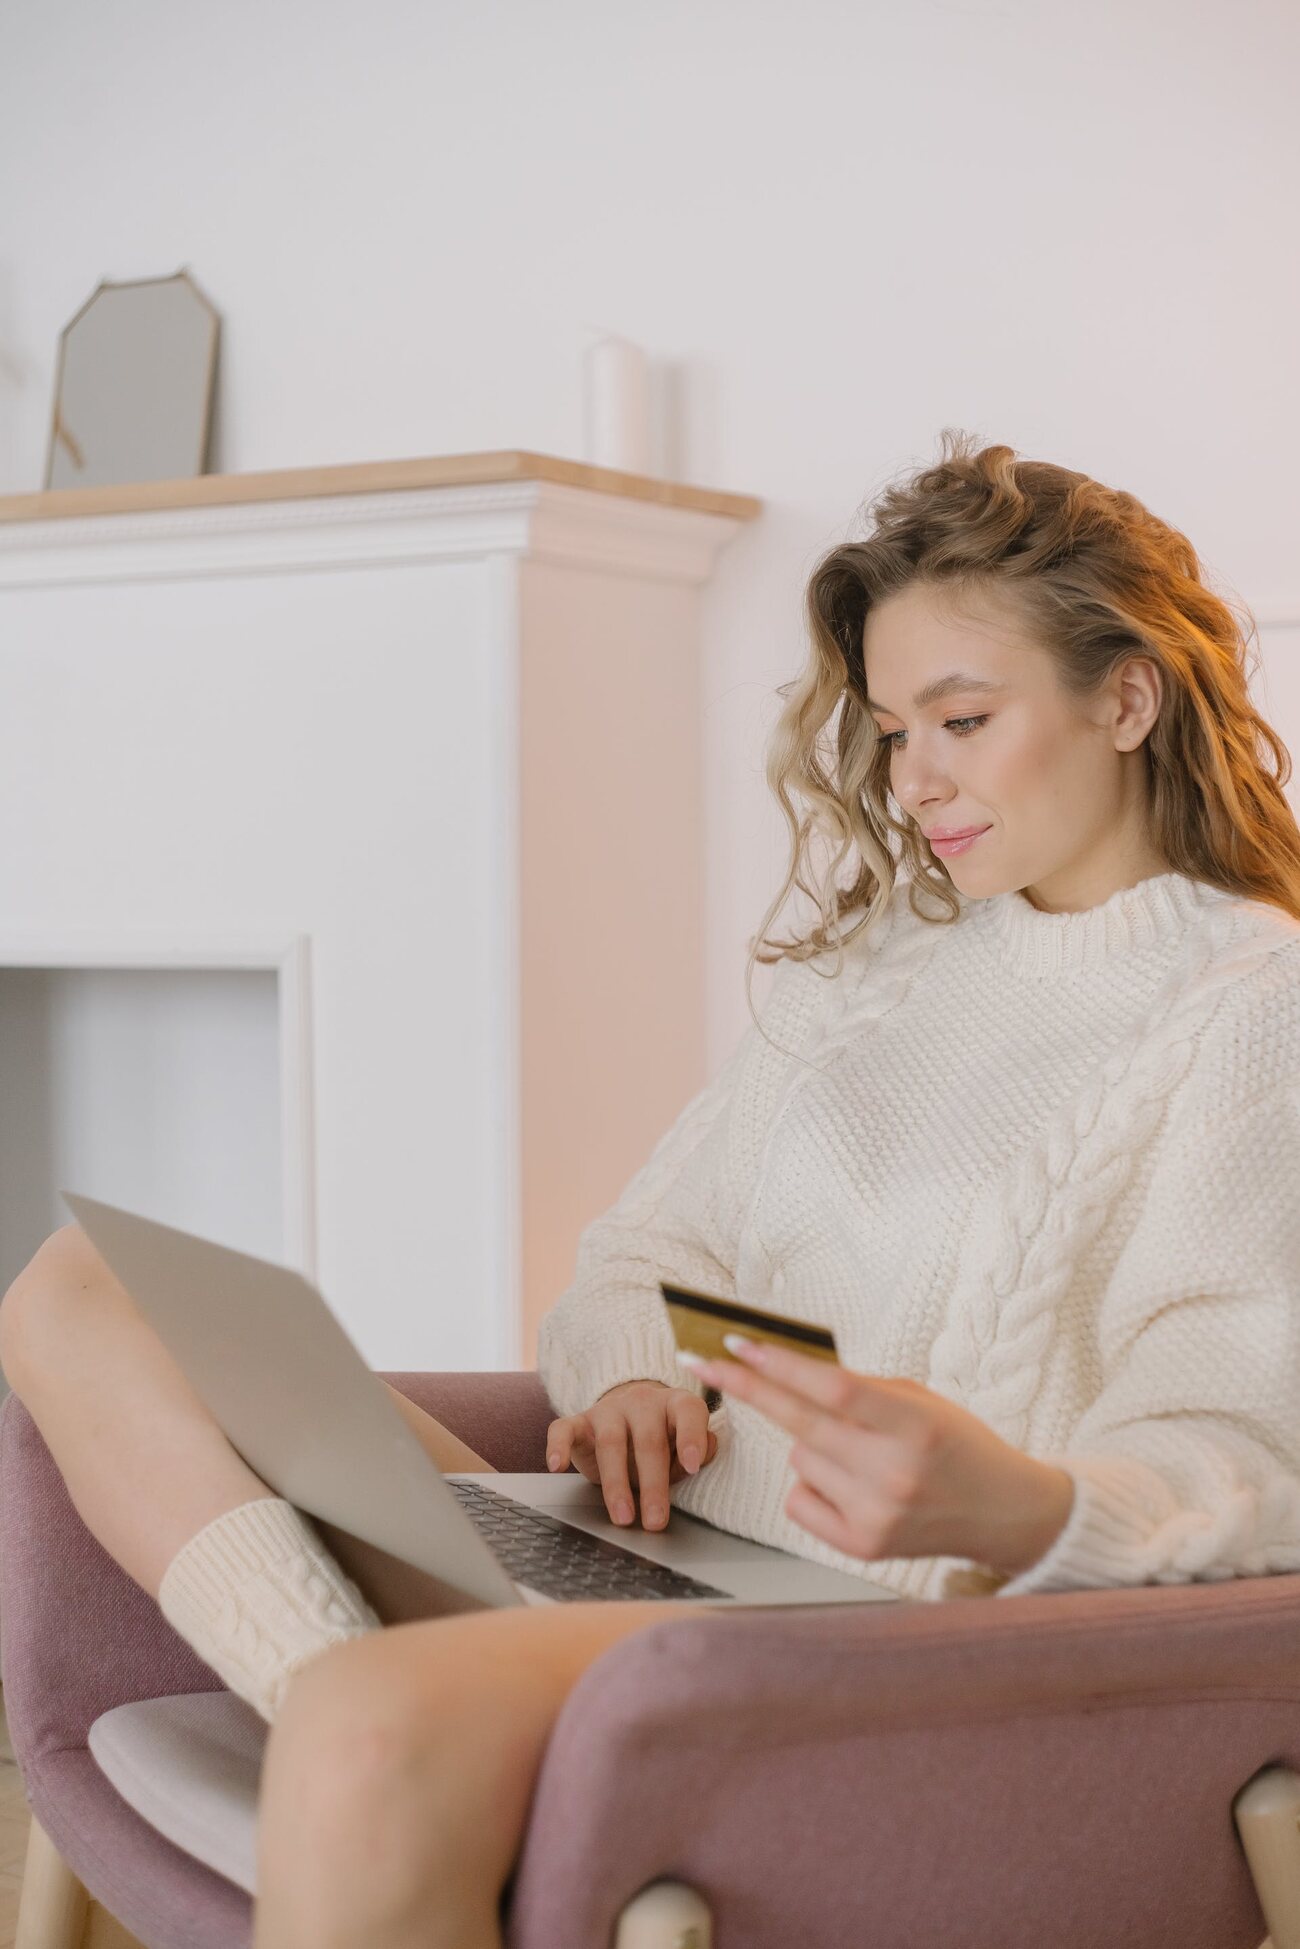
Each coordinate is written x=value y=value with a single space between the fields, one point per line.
x=1186 y=1465
x=679 y=1218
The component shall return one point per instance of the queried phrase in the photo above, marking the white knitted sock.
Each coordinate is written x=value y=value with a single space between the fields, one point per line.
x=257 y=1594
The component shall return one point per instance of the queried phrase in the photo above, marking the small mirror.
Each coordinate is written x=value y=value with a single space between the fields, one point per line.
x=133 y=393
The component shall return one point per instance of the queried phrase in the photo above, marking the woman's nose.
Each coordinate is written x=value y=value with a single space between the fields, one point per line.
x=917 y=781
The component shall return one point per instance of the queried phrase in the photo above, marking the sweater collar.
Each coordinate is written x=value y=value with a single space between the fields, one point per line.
x=1156 y=911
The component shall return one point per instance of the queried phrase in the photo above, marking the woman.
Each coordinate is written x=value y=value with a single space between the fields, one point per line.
x=1024 y=1135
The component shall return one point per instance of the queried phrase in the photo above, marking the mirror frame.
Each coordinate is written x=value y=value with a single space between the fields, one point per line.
x=57 y=429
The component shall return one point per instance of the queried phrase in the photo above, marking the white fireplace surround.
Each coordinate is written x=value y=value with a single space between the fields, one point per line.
x=431 y=756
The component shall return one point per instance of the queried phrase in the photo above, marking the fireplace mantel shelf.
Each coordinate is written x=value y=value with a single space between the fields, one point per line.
x=370 y=477
x=454 y=506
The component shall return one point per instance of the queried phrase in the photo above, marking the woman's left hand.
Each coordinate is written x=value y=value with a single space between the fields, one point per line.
x=889 y=1468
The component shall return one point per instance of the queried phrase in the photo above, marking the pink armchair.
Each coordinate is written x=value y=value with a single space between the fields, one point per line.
x=1098 y=1770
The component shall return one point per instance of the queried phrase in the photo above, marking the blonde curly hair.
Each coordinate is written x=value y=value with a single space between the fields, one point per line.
x=1095 y=578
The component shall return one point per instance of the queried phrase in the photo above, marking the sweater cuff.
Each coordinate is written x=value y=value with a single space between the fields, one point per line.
x=1118 y=1504
x=574 y=1385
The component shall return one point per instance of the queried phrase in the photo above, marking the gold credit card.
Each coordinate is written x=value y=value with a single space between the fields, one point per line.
x=699 y=1321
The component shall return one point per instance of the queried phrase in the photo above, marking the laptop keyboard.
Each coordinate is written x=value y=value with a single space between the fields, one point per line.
x=564 y=1562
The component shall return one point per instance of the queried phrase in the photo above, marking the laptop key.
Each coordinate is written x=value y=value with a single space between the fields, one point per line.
x=560 y=1561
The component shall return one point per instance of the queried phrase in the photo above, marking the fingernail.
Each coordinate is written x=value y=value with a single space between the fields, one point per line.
x=552 y=1460
x=737 y=1343
x=696 y=1362
x=691 y=1458
x=654 y=1514
x=623 y=1512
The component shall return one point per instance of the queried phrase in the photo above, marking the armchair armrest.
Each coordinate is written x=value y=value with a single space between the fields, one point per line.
x=1048 y=1768
x=503 y=1417
x=78 y=1636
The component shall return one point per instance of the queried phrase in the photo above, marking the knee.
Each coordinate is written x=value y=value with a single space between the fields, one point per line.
x=419 y=1751
x=416 y=1763
x=350 y=1757
x=44 y=1301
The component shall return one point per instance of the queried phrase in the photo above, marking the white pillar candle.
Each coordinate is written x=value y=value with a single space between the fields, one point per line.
x=616 y=389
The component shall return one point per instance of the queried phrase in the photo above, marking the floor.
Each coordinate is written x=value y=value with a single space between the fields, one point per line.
x=14 y=1816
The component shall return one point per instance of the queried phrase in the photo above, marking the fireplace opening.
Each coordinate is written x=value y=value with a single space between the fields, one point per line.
x=156 y=1089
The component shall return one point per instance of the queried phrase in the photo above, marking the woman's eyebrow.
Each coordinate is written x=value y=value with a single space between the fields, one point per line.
x=930 y=693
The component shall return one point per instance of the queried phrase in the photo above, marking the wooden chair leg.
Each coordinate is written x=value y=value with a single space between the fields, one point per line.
x=54 y=1910
x=53 y=1906
x=666 y=1915
x=1267 y=1814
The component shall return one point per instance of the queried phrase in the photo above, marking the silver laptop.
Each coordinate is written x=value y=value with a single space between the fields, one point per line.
x=293 y=1395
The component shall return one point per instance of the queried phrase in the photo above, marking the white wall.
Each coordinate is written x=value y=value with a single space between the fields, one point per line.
x=838 y=226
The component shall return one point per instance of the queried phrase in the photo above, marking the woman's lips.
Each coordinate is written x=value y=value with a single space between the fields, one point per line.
x=947 y=847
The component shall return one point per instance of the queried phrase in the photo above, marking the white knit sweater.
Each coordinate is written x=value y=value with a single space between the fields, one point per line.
x=1048 y=1164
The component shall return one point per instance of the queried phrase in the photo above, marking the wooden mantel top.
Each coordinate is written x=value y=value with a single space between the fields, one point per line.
x=368 y=477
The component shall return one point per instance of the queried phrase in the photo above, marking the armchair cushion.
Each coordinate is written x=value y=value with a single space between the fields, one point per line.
x=191 y=1767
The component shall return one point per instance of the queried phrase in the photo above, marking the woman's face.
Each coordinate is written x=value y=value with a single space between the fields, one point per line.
x=1058 y=785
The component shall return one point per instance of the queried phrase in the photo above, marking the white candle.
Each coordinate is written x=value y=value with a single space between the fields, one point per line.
x=616 y=388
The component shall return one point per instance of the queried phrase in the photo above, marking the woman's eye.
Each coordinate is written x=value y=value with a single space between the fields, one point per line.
x=950 y=724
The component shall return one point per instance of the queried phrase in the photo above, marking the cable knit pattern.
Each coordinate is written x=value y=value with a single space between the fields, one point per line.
x=256 y=1593
x=991 y=1354
x=1045 y=1163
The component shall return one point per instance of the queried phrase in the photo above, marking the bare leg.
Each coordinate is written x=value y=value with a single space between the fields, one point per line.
x=145 y=1463
x=399 y=1773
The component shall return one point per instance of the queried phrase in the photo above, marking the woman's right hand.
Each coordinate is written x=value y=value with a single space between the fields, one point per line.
x=625 y=1442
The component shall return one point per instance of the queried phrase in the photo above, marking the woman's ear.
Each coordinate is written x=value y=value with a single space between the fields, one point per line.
x=1138 y=691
